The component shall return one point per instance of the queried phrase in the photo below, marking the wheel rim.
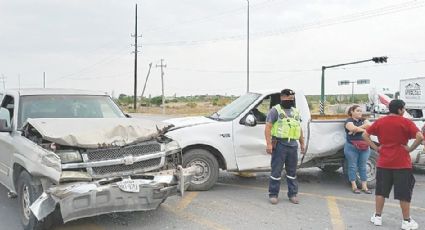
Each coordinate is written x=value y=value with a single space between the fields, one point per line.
x=203 y=173
x=370 y=170
x=26 y=202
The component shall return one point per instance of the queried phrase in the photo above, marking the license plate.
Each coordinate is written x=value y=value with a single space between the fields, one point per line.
x=128 y=186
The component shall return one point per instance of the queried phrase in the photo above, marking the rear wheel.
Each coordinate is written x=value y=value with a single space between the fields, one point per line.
x=207 y=168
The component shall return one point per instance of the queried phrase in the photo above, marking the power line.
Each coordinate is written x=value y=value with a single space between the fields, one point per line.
x=391 y=9
x=105 y=60
x=211 y=17
x=289 y=70
x=82 y=78
x=243 y=71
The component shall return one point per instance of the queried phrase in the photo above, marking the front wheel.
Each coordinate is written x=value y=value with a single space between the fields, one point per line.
x=207 y=168
x=29 y=189
x=370 y=170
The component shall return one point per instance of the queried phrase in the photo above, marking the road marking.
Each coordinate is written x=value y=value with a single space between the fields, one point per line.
x=391 y=204
x=187 y=199
x=194 y=218
x=336 y=219
x=80 y=226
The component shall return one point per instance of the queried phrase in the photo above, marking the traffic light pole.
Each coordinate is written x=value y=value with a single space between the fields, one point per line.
x=322 y=93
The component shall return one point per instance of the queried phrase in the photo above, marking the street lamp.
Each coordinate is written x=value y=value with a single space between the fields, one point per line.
x=358 y=82
x=382 y=59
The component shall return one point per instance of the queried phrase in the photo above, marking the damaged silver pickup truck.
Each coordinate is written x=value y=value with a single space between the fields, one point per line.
x=69 y=154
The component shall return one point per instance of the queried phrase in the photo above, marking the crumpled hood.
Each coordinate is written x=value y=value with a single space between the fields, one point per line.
x=96 y=132
x=188 y=121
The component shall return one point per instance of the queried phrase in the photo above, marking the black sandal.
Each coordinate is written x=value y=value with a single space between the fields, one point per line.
x=367 y=191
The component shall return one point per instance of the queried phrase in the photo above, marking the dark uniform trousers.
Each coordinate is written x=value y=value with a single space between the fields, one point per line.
x=287 y=156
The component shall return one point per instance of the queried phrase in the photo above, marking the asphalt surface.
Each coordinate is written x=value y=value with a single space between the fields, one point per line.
x=326 y=202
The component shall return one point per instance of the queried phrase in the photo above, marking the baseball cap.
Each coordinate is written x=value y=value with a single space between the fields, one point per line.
x=287 y=92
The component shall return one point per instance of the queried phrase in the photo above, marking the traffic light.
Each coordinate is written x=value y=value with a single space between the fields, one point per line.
x=380 y=59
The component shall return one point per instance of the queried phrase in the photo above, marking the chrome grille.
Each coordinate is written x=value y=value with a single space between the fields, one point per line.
x=118 y=152
x=141 y=149
x=141 y=166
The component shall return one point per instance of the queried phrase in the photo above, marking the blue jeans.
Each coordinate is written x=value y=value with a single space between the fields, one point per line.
x=356 y=160
x=288 y=156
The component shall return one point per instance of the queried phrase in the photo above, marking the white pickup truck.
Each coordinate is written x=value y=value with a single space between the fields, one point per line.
x=232 y=139
x=69 y=154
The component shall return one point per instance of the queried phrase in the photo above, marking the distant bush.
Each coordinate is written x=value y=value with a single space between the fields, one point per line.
x=156 y=100
x=221 y=101
x=172 y=101
x=340 y=109
x=191 y=104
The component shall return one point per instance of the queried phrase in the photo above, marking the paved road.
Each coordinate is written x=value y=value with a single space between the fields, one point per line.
x=241 y=203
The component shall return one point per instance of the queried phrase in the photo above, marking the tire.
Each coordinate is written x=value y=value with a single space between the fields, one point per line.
x=370 y=170
x=208 y=169
x=330 y=168
x=29 y=190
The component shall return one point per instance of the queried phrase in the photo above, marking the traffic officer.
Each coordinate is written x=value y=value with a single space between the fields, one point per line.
x=283 y=132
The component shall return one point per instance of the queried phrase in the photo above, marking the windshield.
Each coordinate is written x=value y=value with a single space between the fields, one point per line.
x=67 y=106
x=234 y=109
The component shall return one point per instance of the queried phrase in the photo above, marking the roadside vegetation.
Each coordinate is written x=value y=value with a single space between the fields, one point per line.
x=207 y=104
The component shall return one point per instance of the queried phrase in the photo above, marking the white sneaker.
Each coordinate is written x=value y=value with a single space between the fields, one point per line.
x=377 y=220
x=408 y=225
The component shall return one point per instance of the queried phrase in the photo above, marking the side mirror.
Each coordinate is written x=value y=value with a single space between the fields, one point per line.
x=250 y=120
x=4 y=127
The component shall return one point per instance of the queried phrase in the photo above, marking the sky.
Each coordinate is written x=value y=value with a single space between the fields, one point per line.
x=87 y=44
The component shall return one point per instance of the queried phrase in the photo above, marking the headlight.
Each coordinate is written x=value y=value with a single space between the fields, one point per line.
x=51 y=160
x=69 y=156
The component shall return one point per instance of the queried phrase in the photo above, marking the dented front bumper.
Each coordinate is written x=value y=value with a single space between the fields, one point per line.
x=84 y=199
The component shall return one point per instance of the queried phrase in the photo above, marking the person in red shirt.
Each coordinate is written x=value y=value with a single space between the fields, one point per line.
x=423 y=134
x=394 y=164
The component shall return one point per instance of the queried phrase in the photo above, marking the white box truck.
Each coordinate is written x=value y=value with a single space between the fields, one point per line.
x=412 y=91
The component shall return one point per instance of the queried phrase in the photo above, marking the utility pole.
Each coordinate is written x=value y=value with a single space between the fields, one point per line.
x=162 y=83
x=247 y=51
x=3 y=79
x=135 y=61
x=146 y=81
x=44 y=79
